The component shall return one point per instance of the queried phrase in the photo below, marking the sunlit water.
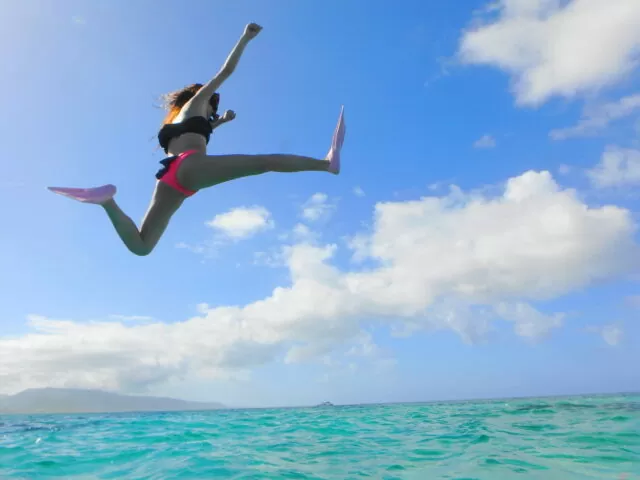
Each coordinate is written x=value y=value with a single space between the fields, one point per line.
x=563 y=438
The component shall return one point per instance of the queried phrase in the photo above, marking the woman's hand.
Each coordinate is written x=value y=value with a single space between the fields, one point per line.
x=228 y=115
x=251 y=31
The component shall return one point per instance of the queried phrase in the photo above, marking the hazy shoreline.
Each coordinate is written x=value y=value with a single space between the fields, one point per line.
x=69 y=401
x=43 y=401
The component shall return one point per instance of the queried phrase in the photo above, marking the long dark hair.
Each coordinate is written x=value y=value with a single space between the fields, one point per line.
x=174 y=101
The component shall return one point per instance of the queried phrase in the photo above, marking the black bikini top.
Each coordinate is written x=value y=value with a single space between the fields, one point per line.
x=199 y=125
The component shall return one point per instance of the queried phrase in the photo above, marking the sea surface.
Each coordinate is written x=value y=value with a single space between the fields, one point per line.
x=552 y=438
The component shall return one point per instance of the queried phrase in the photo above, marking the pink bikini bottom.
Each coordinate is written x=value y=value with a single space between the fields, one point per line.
x=169 y=173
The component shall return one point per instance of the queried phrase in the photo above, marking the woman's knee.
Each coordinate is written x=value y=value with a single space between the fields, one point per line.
x=142 y=250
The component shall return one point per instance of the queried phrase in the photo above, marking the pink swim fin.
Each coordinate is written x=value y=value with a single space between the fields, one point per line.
x=336 y=144
x=97 y=195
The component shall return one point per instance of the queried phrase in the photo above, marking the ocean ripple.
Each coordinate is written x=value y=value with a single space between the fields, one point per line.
x=565 y=438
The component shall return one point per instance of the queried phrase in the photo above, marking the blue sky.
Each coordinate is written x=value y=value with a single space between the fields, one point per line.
x=471 y=247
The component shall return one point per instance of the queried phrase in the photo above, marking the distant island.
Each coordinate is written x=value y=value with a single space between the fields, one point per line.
x=70 y=400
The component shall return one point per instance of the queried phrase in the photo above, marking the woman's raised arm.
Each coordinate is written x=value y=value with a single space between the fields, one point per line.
x=204 y=94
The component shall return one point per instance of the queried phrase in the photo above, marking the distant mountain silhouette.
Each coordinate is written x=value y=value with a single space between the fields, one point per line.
x=70 y=400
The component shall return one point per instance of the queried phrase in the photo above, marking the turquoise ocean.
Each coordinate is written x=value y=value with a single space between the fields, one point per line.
x=547 y=438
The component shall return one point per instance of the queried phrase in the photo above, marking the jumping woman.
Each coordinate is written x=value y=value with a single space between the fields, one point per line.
x=187 y=169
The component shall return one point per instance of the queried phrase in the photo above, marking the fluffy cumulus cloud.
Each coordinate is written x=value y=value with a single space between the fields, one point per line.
x=556 y=47
x=237 y=224
x=597 y=118
x=458 y=262
x=618 y=167
x=242 y=222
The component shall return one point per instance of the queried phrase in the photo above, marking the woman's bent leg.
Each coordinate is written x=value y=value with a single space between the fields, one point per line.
x=142 y=242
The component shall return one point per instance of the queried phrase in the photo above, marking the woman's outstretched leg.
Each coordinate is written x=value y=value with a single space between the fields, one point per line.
x=202 y=171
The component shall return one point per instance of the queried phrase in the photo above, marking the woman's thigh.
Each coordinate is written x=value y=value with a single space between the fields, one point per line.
x=165 y=202
x=200 y=171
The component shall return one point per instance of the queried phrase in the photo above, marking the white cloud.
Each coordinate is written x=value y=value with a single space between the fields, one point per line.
x=486 y=141
x=242 y=222
x=131 y=318
x=364 y=347
x=596 y=119
x=529 y=322
x=618 y=167
x=268 y=259
x=458 y=262
x=611 y=334
x=556 y=47
x=276 y=257
x=302 y=233
x=232 y=226
x=358 y=191
x=317 y=207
